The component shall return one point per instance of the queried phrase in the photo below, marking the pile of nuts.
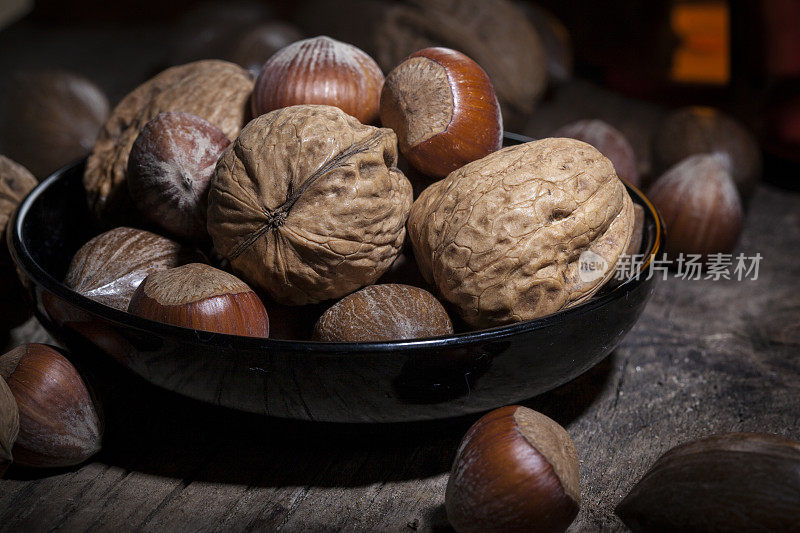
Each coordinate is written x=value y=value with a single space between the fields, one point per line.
x=287 y=191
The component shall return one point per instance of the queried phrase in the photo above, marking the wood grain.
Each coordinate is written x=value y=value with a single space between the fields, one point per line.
x=706 y=357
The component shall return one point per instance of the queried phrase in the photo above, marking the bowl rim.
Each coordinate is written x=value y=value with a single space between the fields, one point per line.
x=22 y=257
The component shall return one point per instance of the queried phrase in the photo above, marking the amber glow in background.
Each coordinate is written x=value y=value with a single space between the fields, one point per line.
x=703 y=53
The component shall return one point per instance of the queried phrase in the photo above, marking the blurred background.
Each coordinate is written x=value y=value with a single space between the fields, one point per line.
x=626 y=63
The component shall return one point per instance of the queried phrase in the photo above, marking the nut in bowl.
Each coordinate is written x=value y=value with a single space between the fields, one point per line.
x=491 y=287
x=337 y=382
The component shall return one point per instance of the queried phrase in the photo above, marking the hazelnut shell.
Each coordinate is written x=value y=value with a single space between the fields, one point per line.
x=59 y=424
x=384 y=313
x=9 y=425
x=199 y=296
x=170 y=168
x=444 y=110
x=322 y=71
x=111 y=266
x=610 y=142
x=699 y=205
x=515 y=470
x=494 y=33
x=728 y=482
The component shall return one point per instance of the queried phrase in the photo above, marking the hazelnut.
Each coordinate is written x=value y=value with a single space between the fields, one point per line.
x=318 y=216
x=320 y=70
x=502 y=237
x=169 y=170
x=9 y=425
x=495 y=33
x=384 y=313
x=728 y=482
x=51 y=118
x=443 y=108
x=59 y=422
x=199 y=296
x=111 y=266
x=515 y=470
x=609 y=141
x=256 y=45
x=699 y=205
x=217 y=91
x=698 y=130
x=15 y=183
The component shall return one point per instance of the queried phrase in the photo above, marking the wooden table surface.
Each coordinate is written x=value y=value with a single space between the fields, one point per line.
x=706 y=356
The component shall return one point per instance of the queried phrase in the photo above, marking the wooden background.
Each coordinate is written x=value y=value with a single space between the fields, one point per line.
x=706 y=357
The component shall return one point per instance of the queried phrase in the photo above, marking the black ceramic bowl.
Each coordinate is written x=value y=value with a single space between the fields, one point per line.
x=358 y=382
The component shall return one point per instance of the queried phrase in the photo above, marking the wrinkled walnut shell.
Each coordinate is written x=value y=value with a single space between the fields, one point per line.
x=217 y=91
x=502 y=237
x=308 y=205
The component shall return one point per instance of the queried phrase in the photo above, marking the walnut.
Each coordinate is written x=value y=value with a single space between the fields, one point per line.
x=217 y=91
x=504 y=237
x=308 y=204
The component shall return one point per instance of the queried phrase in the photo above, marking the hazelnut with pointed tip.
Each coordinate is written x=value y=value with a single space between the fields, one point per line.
x=201 y=297
x=59 y=421
x=699 y=204
x=444 y=110
x=322 y=71
x=515 y=470
x=170 y=168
